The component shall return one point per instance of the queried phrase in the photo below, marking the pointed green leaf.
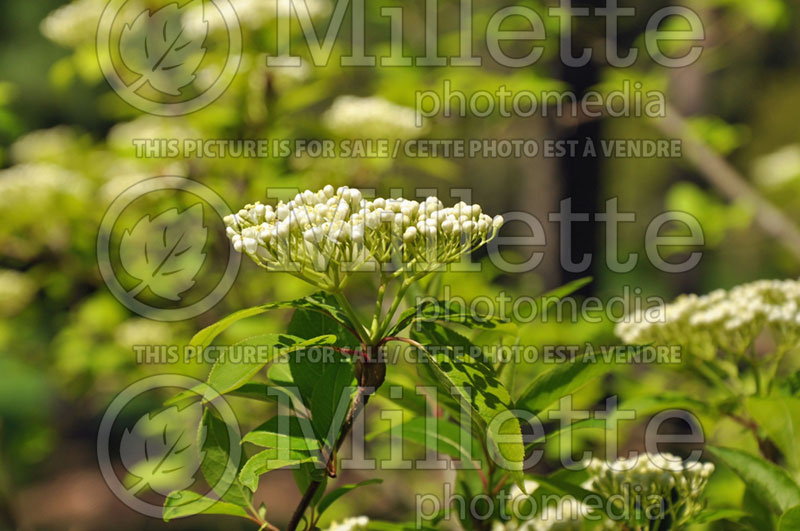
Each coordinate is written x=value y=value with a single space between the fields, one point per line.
x=647 y=404
x=335 y=494
x=236 y=366
x=437 y=435
x=331 y=397
x=267 y=461
x=780 y=418
x=184 y=503
x=219 y=466
x=284 y=432
x=790 y=520
x=772 y=484
x=471 y=382
x=714 y=515
x=318 y=302
x=444 y=311
x=586 y=424
x=564 y=379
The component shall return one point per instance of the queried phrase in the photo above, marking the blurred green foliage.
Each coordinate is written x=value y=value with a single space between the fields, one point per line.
x=66 y=149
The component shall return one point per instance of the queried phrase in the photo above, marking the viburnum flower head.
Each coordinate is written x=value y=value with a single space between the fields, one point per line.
x=323 y=236
x=724 y=321
x=661 y=484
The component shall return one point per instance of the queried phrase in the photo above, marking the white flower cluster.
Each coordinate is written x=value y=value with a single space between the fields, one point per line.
x=567 y=514
x=252 y=14
x=27 y=184
x=659 y=486
x=355 y=523
x=74 y=23
x=45 y=145
x=373 y=117
x=322 y=236
x=16 y=291
x=778 y=168
x=122 y=136
x=726 y=321
x=648 y=486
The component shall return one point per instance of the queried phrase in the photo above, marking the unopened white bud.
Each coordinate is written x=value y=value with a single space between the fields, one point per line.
x=250 y=245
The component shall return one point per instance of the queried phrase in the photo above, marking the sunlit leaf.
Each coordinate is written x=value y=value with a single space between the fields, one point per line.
x=770 y=483
x=187 y=503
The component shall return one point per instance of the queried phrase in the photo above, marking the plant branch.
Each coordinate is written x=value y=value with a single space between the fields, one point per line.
x=328 y=453
x=727 y=180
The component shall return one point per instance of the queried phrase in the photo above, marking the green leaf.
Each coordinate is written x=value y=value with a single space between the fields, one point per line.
x=444 y=311
x=231 y=373
x=567 y=289
x=335 y=494
x=409 y=399
x=790 y=520
x=267 y=461
x=714 y=515
x=331 y=397
x=646 y=405
x=551 y=297
x=586 y=424
x=549 y=387
x=204 y=337
x=284 y=432
x=322 y=317
x=445 y=437
x=791 y=385
x=780 y=418
x=252 y=390
x=772 y=484
x=281 y=374
x=472 y=382
x=453 y=312
x=216 y=439
x=184 y=503
x=318 y=302
x=322 y=377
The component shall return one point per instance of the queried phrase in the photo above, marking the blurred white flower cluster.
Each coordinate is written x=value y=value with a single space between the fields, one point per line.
x=654 y=486
x=355 y=523
x=648 y=486
x=726 y=321
x=322 y=236
x=567 y=514
x=373 y=117
x=16 y=291
x=45 y=145
x=27 y=184
x=73 y=24
x=252 y=14
x=778 y=168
